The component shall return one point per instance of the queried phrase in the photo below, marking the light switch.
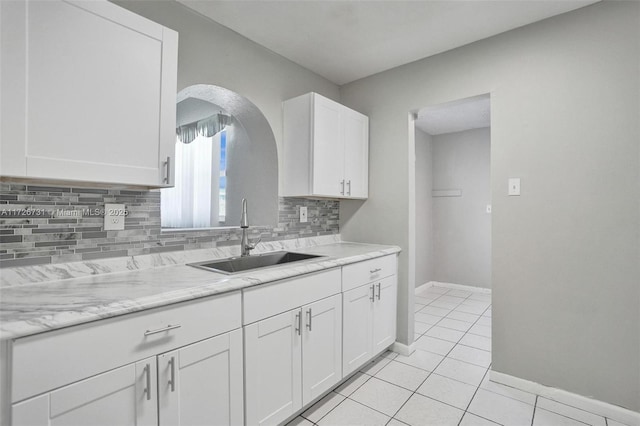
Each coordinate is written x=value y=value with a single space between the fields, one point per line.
x=303 y=214
x=514 y=186
x=114 y=215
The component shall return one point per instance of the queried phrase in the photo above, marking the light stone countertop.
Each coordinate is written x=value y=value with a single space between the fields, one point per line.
x=28 y=309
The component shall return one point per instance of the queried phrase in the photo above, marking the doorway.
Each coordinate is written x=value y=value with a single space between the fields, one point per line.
x=452 y=194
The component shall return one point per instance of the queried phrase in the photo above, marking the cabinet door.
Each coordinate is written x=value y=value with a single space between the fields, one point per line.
x=328 y=150
x=321 y=347
x=201 y=384
x=357 y=326
x=384 y=314
x=355 y=128
x=88 y=93
x=124 y=396
x=273 y=368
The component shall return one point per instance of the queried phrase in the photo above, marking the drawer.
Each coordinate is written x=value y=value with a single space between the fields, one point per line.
x=357 y=274
x=49 y=360
x=271 y=299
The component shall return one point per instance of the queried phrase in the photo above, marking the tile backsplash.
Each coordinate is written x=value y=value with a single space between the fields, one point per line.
x=50 y=224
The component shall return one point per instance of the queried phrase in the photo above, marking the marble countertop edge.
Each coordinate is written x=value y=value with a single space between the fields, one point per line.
x=30 y=309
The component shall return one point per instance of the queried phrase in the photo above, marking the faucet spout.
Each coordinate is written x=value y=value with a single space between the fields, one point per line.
x=244 y=220
x=245 y=246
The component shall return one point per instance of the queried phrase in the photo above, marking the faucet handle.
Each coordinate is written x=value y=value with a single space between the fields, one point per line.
x=250 y=246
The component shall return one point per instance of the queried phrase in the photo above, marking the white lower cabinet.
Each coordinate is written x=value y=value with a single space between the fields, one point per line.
x=292 y=358
x=199 y=384
x=176 y=365
x=321 y=347
x=384 y=314
x=273 y=368
x=357 y=328
x=369 y=322
x=255 y=357
x=124 y=396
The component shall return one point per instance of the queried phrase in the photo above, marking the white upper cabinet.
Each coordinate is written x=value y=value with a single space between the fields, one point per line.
x=326 y=149
x=89 y=93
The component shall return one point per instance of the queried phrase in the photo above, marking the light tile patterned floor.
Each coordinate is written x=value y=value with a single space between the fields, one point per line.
x=445 y=381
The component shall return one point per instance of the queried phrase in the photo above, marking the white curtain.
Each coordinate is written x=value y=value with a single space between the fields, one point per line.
x=193 y=202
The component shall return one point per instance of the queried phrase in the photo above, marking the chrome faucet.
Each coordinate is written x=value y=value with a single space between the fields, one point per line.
x=245 y=247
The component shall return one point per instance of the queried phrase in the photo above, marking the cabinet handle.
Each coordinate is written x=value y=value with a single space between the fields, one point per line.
x=379 y=291
x=373 y=271
x=309 y=319
x=298 y=322
x=342 y=186
x=172 y=380
x=160 y=330
x=349 y=186
x=167 y=175
x=373 y=293
x=147 y=390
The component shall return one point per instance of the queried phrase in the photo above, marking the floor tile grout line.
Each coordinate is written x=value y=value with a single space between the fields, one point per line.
x=420 y=385
x=370 y=377
x=473 y=396
x=472 y=324
x=567 y=416
x=488 y=368
x=393 y=418
x=375 y=409
x=572 y=406
x=412 y=392
x=327 y=413
x=345 y=396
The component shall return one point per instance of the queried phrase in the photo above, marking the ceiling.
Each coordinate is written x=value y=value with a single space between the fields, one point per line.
x=346 y=40
x=464 y=114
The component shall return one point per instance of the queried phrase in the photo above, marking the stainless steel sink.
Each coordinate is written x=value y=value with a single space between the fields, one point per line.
x=234 y=265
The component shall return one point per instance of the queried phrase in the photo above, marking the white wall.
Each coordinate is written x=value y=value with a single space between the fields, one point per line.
x=424 y=216
x=461 y=225
x=566 y=254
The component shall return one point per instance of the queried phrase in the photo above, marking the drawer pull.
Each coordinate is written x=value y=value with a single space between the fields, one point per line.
x=147 y=390
x=172 y=381
x=373 y=271
x=373 y=293
x=309 y=316
x=167 y=175
x=379 y=291
x=160 y=330
x=298 y=322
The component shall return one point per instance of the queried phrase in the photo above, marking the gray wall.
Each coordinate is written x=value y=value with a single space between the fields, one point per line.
x=565 y=261
x=210 y=53
x=461 y=225
x=424 y=216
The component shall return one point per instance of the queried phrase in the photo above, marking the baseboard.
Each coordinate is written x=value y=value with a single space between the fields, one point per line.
x=403 y=349
x=591 y=405
x=454 y=286
x=423 y=286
